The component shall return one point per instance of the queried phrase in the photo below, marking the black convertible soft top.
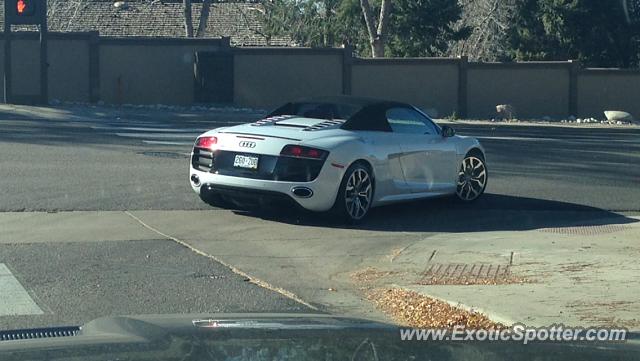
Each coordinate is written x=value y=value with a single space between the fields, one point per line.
x=359 y=113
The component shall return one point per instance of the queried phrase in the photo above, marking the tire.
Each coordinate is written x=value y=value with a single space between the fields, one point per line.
x=472 y=177
x=355 y=194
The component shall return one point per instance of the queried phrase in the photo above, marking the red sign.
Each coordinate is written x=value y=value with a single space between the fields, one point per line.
x=21 y=5
x=25 y=12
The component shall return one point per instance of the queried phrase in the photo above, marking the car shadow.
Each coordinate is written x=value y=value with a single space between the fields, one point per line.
x=492 y=212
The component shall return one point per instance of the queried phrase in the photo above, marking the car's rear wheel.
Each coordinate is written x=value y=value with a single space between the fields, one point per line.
x=355 y=194
x=472 y=178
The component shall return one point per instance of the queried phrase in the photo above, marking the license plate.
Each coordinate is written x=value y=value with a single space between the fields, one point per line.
x=245 y=161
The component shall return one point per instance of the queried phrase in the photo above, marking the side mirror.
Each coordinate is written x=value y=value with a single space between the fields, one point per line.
x=447 y=131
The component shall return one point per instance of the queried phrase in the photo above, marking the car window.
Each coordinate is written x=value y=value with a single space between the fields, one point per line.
x=370 y=118
x=409 y=121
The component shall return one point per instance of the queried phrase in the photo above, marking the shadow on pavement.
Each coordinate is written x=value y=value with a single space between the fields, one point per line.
x=492 y=212
x=63 y=126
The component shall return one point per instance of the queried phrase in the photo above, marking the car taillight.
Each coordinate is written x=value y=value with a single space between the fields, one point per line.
x=298 y=151
x=206 y=142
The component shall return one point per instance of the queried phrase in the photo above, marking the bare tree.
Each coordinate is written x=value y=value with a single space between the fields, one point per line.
x=490 y=21
x=205 y=9
x=204 y=18
x=376 y=33
x=259 y=13
x=188 y=19
x=64 y=23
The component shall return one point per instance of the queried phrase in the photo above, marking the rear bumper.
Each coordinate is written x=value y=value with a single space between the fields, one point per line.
x=247 y=196
x=261 y=192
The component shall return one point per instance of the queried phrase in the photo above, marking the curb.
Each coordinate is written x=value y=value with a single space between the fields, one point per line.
x=540 y=124
x=491 y=315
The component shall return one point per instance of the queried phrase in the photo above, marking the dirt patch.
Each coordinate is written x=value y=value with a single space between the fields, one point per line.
x=395 y=253
x=370 y=275
x=576 y=267
x=602 y=314
x=412 y=309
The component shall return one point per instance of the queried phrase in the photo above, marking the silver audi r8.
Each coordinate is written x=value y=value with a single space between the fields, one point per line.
x=339 y=154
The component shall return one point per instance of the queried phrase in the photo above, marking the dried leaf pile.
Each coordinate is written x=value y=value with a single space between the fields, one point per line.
x=412 y=309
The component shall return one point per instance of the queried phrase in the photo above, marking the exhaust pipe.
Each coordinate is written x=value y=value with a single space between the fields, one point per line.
x=302 y=192
x=195 y=180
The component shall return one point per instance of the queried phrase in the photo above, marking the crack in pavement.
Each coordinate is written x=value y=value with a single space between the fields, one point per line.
x=235 y=270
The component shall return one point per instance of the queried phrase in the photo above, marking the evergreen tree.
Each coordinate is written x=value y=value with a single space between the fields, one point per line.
x=592 y=31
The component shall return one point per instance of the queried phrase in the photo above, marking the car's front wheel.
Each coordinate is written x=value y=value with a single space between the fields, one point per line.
x=472 y=178
x=355 y=194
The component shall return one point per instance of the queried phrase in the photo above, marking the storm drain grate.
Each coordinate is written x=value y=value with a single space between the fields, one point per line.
x=587 y=230
x=468 y=274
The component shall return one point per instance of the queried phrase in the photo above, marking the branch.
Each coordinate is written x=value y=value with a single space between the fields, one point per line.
x=247 y=23
x=385 y=10
x=368 y=19
x=204 y=18
x=188 y=21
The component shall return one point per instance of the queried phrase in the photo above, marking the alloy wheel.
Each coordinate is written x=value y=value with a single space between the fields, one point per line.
x=358 y=192
x=472 y=178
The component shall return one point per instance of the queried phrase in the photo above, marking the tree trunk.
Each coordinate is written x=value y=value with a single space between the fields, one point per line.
x=188 y=20
x=376 y=34
x=204 y=18
x=377 y=48
x=367 y=12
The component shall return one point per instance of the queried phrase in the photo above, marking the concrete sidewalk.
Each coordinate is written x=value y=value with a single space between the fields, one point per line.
x=583 y=275
x=579 y=276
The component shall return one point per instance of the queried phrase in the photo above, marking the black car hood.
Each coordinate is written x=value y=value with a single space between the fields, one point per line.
x=276 y=336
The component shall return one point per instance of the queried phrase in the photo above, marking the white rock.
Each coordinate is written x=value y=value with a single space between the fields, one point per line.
x=614 y=115
x=120 y=5
x=505 y=111
x=579 y=120
x=619 y=122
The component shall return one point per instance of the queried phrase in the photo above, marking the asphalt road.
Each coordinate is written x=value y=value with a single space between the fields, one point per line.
x=103 y=159
x=138 y=160
x=73 y=283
